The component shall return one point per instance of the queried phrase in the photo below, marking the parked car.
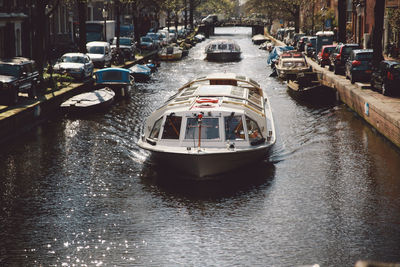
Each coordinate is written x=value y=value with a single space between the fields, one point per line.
x=323 y=55
x=302 y=42
x=339 y=56
x=296 y=39
x=157 y=38
x=100 y=53
x=17 y=75
x=386 y=77
x=359 y=65
x=147 y=43
x=311 y=44
x=164 y=37
x=126 y=45
x=77 y=65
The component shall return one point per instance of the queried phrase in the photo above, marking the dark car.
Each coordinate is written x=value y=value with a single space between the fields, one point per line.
x=296 y=38
x=323 y=55
x=17 y=75
x=386 y=77
x=147 y=43
x=126 y=45
x=310 y=46
x=301 y=43
x=359 y=65
x=339 y=56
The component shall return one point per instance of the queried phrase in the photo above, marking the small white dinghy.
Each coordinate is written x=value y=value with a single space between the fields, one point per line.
x=94 y=100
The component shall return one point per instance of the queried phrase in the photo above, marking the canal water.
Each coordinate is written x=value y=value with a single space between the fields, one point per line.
x=78 y=191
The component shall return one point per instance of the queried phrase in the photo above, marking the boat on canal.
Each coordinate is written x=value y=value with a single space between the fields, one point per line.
x=306 y=86
x=170 y=53
x=120 y=80
x=89 y=101
x=214 y=124
x=291 y=63
x=223 y=50
x=259 y=39
x=140 y=72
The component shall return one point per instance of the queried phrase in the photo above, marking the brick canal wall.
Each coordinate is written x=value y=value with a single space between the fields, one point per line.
x=381 y=112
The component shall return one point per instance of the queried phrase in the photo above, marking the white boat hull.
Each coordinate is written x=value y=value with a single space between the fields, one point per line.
x=203 y=165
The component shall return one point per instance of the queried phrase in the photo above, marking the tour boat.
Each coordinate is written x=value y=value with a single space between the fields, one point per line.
x=212 y=125
x=223 y=50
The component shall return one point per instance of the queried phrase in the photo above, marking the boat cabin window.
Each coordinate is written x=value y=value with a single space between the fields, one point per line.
x=156 y=129
x=237 y=91
x=255 y=97
x=112 y=75
x=222 y=46
x=234 y=128
x=253 y=130
x=209 y=128
x=223 y=82
x=172 y=127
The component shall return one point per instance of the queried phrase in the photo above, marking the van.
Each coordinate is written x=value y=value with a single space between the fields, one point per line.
x=100 y=53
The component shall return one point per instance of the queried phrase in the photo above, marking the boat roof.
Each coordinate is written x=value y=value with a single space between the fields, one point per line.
x=225 y=79
x=225 y=92
x=222 y=41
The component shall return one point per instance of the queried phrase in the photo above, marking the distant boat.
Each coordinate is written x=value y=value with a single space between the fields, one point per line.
x=259 y=39
x=212 y=125
x=223 y=50
x=170 y=53
x=94 y=100
x=141 y=73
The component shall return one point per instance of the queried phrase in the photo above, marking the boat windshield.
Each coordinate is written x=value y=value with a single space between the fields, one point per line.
x=253 y=130
x=172 y=127
x=209 y=128
x=234 y=128
x=156 y=129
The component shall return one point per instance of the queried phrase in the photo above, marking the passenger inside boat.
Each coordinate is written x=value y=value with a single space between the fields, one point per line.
x=234 y=128
x=172 y=127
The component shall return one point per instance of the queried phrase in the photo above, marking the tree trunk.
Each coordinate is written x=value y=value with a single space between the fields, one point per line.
x=39 y=51
x=296 y=18
x=82 y=7
x=185 y=10
x=342 y=21
x=379 y=13
x=191 y=10
x=118 y=22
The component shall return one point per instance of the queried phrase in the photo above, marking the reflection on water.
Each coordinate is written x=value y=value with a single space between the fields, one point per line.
x=79 y=191
x=221 y=186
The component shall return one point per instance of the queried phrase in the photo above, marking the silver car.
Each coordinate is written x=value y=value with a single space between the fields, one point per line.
x=77 y=65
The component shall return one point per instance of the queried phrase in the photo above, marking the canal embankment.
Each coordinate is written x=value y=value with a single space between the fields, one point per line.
x=29 y=113
x=381 y=112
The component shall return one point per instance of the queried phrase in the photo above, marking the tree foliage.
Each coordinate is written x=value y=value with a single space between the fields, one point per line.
x=288 y=10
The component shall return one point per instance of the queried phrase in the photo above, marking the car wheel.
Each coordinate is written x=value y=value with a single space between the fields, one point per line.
x=372 y=84
x=384 y=89
x=32 y=93
x=352 y=79
x=13 y=96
